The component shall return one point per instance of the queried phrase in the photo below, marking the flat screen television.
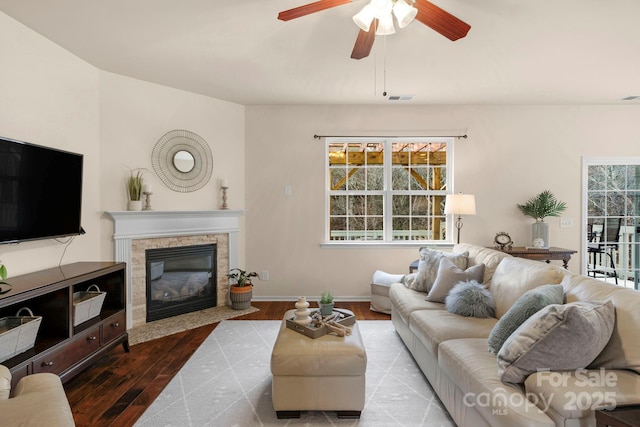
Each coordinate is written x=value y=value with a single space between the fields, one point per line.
x=40 y=192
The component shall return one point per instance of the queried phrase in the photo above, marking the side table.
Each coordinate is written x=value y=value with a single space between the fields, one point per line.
x=536 y=254
x=621 y=416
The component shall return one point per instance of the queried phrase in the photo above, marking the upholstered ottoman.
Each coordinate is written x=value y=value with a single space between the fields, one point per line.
x=323 y=374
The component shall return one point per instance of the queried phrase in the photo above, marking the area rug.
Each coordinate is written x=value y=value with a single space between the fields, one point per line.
x=227 y=383
x=172 y=325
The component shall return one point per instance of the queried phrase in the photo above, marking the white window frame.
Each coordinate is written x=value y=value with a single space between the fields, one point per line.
x=388 y=240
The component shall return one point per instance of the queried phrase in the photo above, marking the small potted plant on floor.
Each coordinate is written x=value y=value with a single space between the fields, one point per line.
x=326 y=303
x=241 y=290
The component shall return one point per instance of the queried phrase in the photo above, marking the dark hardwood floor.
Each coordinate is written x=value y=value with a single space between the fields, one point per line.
x=117 y=389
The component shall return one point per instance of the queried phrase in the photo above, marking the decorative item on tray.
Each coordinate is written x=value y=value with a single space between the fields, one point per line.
x=326 y=303
x=337 y=323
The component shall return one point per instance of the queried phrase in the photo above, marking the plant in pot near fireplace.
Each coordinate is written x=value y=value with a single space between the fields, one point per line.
x=134 y=189
x=241 y=291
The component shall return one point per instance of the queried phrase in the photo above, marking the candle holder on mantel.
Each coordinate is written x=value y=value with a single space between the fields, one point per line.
x=224 y=197
x=147 y=203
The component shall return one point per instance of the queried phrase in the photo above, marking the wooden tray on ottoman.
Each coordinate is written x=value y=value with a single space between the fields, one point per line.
x=347 y=318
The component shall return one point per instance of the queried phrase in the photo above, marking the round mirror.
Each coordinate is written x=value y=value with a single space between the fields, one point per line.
x=184 y=161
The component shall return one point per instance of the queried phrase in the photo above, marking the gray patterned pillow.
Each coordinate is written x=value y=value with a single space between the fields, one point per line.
x=558 y=337
x=526 y=306
x=470 y=299
x=428 y=267
x=449 y=275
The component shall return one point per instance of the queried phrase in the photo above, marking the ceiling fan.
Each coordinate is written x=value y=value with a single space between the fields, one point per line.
x=377 y=18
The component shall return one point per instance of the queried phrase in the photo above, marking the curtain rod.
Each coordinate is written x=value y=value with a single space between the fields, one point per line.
x=389 y=136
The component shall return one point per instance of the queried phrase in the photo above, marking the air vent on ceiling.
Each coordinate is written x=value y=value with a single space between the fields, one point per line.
x=631 y=98
x=400 y=98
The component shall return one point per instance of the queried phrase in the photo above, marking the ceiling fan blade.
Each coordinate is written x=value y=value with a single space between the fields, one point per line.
x=310 y=8
x=364 y=42
x=440 y=20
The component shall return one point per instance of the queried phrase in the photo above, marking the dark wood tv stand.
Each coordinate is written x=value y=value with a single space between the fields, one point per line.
x=60 y=347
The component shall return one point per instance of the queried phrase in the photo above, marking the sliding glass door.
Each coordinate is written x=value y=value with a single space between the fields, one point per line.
x=611 y=220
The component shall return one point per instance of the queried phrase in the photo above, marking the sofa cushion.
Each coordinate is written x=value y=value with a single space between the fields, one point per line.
x=577 y=332
x=528 y=304
x=515 y=276
x=481 y=255
x=470 y=299
x=473 y=370
x=623 y=349
x=405 y=301
x=434 y=327
x=449 y=275
x=428 y=267
x=574 y=394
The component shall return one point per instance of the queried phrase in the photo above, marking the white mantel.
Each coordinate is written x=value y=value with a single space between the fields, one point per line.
x=131 y=225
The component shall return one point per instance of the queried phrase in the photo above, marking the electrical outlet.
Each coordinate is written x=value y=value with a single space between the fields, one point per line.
x=264 y=276
x=566 y=222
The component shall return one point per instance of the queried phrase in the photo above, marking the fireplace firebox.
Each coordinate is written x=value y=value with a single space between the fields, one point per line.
x=180 y=280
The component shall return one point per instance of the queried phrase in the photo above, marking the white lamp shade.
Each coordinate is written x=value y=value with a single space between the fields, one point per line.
x=385 y=26
x=364 y=18
x=404 y=13
x=460 y=204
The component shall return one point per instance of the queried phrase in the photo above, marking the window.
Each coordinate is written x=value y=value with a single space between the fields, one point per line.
x=387 y=189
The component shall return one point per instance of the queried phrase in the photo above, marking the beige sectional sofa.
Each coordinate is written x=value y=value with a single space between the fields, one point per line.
x=452 y=350
x=38 y=400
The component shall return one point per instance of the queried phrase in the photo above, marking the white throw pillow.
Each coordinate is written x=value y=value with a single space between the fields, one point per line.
x=382 y=278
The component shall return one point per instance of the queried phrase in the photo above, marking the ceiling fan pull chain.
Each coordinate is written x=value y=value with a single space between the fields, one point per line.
x=384 y=66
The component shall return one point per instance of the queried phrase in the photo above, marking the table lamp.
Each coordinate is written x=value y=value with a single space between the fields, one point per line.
x=460 y=204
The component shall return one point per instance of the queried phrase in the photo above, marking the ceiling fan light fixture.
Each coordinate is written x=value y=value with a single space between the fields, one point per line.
x=364 y=18
x=385 y=26
x=404 y=13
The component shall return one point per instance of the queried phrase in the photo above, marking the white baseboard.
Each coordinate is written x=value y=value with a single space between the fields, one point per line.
x=310 y=299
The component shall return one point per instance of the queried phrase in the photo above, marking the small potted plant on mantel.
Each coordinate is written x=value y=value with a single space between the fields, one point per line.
x=134 y=189
x=241 y=291
x=326 y=303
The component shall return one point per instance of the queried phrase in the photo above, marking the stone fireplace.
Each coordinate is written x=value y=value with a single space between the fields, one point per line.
x=137 y=232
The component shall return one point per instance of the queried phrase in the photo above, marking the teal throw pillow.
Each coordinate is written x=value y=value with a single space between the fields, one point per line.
x=526 y=306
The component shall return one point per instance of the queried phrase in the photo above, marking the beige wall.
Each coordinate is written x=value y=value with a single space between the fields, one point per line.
x=512 y=153
x=50 y=97
x=134 y=115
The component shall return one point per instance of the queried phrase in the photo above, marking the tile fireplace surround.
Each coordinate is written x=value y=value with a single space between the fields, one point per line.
x=136 y=231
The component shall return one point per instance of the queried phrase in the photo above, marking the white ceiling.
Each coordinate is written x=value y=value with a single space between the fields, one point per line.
x=517 y=51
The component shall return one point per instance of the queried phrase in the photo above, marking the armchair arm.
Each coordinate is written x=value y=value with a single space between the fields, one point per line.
x=5 y=382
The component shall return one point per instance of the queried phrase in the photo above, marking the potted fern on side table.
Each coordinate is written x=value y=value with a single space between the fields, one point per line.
x=538 y=208
x=241 y=292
